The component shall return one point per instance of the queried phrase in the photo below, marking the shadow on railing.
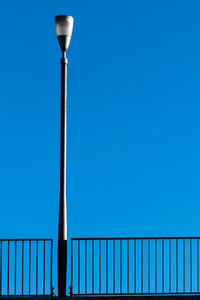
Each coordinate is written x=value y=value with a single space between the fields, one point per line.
x=26 y=267
x=135 y=266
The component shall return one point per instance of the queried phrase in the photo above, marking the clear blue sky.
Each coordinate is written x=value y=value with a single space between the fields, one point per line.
x=133 y=118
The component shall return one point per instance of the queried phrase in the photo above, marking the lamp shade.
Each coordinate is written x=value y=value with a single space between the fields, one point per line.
x=64 y=27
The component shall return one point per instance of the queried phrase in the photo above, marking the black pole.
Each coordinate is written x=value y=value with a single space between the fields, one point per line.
x=62 y=230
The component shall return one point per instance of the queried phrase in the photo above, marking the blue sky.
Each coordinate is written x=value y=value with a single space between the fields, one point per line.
x=133 y=164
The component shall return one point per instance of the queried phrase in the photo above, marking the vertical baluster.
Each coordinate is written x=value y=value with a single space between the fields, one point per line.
x=78 y=266
x=183 y=265
x=191 y=265
x=85 y=266
x=51 y=270
x=121 y=266
x=8 y=271
x=92 y=266
x=163 y=266
x=127 y=266
x=135 y=266
x=113 y=266
x=22 y=267
x=29 y=267
x=44 y=268
x=99 y=266
x=1 y=269
x=36 y=267
x=156 y=274
x=177 y=265
x=198 y=265
x=149 y=266
x=170 y=266
x=107 y=266
x=142 y=266
x=15 y=273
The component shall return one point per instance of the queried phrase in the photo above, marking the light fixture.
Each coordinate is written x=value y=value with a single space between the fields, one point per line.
x=64 y=27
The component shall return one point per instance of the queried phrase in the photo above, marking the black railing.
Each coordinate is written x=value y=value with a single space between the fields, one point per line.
x=135 y=266
x=26 y=267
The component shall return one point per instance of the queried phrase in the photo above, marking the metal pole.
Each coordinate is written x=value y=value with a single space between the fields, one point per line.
x=62 y=230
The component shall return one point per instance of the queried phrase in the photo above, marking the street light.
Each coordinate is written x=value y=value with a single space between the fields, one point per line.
x=64 y=27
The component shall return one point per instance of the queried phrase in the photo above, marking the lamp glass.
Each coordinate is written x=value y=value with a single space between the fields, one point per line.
x=64 y=25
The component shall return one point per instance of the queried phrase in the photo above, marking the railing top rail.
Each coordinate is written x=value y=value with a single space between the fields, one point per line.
x=137 y=238
x=136 y=294
x=26 y=240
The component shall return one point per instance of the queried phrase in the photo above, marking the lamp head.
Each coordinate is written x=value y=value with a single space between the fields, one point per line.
x=64 y=27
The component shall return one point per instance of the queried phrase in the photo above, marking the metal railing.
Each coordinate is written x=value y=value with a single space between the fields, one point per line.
x=26 y=267
x=135 y=266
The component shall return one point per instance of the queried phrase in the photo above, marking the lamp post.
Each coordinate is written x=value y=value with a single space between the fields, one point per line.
x=64 y=27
